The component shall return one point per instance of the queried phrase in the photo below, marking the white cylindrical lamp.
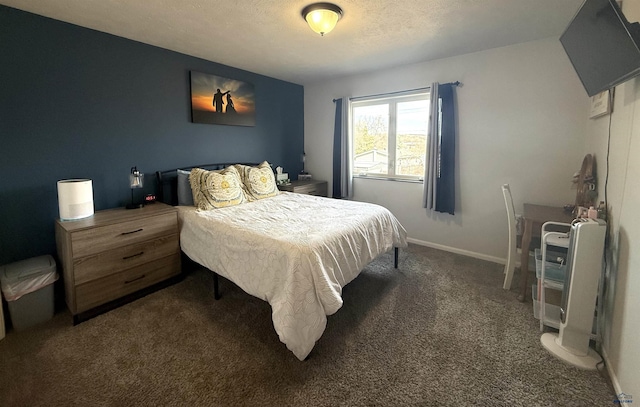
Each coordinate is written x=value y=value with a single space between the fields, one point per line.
x=75 y=198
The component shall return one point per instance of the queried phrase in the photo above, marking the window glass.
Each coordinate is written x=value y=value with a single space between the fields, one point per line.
x=411 y=137
x=371 y=139
x=389 y=136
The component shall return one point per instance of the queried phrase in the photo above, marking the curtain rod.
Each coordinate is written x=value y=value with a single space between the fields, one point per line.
x=456 y=83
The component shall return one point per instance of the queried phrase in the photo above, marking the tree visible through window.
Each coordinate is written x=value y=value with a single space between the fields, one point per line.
x=389 y=136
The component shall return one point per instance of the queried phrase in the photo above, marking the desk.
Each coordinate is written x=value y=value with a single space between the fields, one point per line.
x=534 y=216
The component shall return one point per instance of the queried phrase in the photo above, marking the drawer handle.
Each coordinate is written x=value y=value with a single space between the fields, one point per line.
x=132 y=256
x=135 y=279
x=133 y=231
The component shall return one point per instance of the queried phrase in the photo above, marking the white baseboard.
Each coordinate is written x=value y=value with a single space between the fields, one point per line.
x=468 y=253
x=612 y=375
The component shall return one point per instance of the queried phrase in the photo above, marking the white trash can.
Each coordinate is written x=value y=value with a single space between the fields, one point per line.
x=27 y=287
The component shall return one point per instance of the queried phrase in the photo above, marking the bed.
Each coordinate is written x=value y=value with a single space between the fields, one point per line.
x=294 y=251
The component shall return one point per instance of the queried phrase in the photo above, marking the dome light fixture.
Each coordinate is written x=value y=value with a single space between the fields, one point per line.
x=322 y=17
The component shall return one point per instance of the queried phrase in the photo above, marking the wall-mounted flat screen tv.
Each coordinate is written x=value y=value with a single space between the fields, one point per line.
x=602 y=45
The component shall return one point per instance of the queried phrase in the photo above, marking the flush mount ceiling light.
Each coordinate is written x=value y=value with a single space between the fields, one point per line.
x=322 y=17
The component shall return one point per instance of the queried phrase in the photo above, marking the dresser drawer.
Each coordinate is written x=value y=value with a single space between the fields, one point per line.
x=99 y=239
x=315 y=189
x=121 y=258
x=100 y=291
x=308 y=187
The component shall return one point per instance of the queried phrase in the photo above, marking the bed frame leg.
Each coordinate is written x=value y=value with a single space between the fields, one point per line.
x=216 y=291
x=395 y=257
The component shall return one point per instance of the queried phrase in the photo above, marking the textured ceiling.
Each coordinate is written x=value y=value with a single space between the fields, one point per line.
x=270 y=37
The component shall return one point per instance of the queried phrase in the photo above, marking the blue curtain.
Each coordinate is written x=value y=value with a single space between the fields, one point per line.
x=439 y=180
x=433 y=150
x=445 y=187
x=337 y=151
x=342 y=177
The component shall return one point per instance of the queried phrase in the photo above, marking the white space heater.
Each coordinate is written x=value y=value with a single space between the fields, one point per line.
x=584 y=268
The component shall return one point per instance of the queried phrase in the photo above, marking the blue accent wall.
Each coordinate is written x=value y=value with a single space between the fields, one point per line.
x=78 y=103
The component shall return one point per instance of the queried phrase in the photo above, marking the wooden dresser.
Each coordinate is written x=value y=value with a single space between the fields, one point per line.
x=309 y=187
x=115 y=253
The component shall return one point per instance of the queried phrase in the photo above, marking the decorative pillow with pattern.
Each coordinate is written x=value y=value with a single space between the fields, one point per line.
x=216 y=189
x=259 y=182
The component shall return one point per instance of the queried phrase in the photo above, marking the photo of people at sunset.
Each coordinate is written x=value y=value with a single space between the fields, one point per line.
x=218 y=100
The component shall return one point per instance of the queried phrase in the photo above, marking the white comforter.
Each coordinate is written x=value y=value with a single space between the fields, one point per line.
x=294 y=251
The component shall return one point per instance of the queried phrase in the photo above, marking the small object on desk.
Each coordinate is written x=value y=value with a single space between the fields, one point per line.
x=150 y=198
x=304 y=177
x=602 y=211
x=282 y=178
x=581 y=212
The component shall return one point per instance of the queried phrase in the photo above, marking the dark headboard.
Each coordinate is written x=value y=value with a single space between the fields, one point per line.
x=168 y=180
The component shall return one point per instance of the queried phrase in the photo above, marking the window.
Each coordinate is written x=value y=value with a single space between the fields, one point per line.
x=389 y=136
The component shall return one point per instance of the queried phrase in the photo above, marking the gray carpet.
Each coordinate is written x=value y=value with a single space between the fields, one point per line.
x=438 y=331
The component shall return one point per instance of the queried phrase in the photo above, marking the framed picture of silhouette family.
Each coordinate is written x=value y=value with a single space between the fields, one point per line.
x=219 y=100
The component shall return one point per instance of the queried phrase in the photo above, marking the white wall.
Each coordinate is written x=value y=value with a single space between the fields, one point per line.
x=622 y=302
x=522 y=120
x=522 y=114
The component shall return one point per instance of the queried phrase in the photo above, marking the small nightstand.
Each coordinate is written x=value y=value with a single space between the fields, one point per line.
x=309 y=187
x=115 y=253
